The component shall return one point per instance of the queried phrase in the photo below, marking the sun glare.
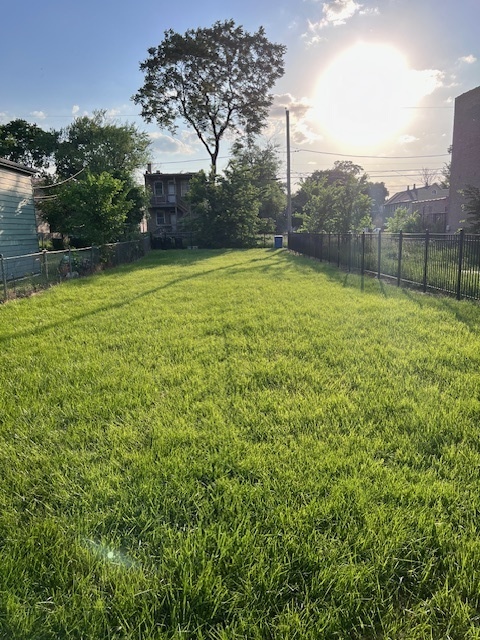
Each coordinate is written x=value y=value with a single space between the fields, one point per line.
x=361 y=96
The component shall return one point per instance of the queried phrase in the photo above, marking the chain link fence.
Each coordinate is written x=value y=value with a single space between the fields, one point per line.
x=24 y=275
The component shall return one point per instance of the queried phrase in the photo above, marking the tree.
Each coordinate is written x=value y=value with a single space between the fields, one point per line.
x=261 y=166
x=319 y=207
x=94 y=208
x=225 y=209
x=403 y=220
x=27 y=144
x=138 y=201
x=216 y=79
x=446 y=171
x=335 y=200
x=472 y=207
x=89 y=149
x=378 y=193
x=99 y=145
x=428 y=176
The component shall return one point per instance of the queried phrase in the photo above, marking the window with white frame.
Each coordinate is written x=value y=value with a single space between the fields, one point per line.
x=158 y=189
x=184 y=187
x=160 y=217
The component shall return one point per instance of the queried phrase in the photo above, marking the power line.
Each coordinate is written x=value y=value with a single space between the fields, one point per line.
x=351 y=155
x=49 y=186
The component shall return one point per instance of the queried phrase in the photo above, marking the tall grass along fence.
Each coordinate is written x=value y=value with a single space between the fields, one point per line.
x=26 y=274
x=434 y=262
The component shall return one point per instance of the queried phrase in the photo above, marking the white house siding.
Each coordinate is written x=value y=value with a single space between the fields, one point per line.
x=18 y=232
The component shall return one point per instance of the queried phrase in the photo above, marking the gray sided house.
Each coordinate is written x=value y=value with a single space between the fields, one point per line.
x=431 y=203
x=18 y=227
x=169 y=210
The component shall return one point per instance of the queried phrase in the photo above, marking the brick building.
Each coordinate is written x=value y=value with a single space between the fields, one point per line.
x=465 y=169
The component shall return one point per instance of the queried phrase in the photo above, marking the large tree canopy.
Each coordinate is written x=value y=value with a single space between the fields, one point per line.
x=27 y=144
x=230 y=210
x=216 y=79
x=98 y=144
x=98 y=156
x=335 y=200
x=95 y=208
x=261 y=166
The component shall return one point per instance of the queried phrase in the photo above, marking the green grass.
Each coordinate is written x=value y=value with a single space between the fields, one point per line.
x=238 y=444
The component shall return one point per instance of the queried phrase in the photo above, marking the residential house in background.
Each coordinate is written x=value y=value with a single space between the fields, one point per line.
x=18 y=226
x=169 y=210
x=465 y=167
x=431 y=202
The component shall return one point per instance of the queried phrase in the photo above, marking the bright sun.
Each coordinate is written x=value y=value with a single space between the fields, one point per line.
x=361 y=96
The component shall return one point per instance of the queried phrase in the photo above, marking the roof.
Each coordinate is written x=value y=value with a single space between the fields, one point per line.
x=469 y=93
x=169 y=176
x=14 y=166
x=418 y=194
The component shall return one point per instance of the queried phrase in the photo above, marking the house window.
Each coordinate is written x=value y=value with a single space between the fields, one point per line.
x=158 y=189
x=171 y=191
x=160 y=218
x=184 y=187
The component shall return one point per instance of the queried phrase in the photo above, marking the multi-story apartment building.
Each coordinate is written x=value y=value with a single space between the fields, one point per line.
x=169 y=209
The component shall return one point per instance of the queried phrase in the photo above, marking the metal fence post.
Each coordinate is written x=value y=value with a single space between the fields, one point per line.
x=338 y=250
x=379 y=255
x=425 y=261
x=399 y=267
x=362 y=262
x=4 y=277
x=460 y=263
x=45 y=263
x=70 y=260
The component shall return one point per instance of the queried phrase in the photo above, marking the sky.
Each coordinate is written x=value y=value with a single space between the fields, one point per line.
x=370 y=81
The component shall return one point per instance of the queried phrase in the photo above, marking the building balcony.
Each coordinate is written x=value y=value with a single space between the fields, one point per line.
x=169 y=201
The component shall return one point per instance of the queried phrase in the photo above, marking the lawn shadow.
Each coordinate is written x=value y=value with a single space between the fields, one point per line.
x=129 y=300
x=465 y=311
x=339 y=275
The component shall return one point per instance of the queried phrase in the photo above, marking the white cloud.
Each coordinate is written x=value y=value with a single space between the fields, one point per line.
x=470 y=59
x=423 y=83
x=40 y=115
x=75 y=109
x=407 y=139
x=297 y=107
x=302 y=124
x=311 y=37
x=167 y=144
x=371 y=11
x=337 y=12
x=111 y=113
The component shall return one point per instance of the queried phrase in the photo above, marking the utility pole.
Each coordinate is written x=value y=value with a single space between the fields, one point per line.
x=289 y=189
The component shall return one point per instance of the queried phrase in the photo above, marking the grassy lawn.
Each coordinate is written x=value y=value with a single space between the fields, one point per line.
x=238 y=444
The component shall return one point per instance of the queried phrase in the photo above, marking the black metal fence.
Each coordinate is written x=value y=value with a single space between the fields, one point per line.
x=26 y=274
x=434 y=262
